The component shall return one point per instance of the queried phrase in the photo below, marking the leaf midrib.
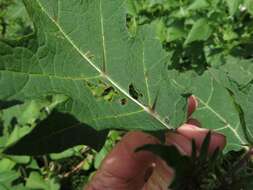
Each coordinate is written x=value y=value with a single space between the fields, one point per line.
x=104 y=75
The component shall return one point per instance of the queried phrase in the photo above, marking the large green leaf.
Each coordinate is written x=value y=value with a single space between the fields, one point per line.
x=216 y=109
x=236 y=77
x=83 y=50
x=85 y=45
x=247 y=108
x=239 y=70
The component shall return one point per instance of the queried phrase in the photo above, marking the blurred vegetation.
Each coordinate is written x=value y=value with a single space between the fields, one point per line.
x=14 y=21
x=200 y=33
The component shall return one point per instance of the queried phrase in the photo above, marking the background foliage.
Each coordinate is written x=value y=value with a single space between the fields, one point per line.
x=202 y=40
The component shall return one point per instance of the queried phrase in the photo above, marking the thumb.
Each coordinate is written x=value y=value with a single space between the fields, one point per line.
x=123 y=168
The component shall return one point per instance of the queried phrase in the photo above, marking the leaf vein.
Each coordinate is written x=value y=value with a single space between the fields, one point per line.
x=80 y=52
x=119 y=115
x=52 y=76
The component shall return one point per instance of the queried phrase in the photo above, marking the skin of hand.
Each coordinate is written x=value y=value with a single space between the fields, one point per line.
x=124 y=169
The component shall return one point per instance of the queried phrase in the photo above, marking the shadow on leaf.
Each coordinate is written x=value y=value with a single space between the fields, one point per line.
x=56 y=133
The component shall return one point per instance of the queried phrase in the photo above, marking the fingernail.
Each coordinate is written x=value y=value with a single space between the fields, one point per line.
x=194 y=100
x=190 y=127
x=192 y=105
x=193 y=121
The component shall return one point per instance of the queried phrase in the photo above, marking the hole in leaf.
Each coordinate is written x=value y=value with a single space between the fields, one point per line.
x=102 y=91
x=134 y=92
x=123 y=101
x=131 y=24
x=107 y=91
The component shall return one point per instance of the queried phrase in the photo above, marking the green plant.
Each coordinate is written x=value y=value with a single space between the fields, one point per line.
x=83 y=67
x=200 y=33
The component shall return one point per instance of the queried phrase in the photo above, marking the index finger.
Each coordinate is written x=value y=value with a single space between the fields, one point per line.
x=193 y=132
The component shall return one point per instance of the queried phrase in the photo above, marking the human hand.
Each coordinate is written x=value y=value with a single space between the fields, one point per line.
x=124 y=169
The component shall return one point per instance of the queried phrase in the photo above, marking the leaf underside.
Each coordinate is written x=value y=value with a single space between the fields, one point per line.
x=84 y=45
x=70 y=57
